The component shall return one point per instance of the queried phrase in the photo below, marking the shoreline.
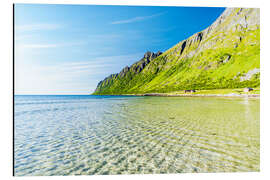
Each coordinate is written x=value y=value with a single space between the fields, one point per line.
x=199 y=95
x=187 y=95
x=239 y=92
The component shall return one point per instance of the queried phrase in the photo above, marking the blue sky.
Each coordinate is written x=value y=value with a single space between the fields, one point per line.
x=68 y=49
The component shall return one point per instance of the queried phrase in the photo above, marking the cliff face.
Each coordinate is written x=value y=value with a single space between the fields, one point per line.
x=225 y=55
x=134 y=69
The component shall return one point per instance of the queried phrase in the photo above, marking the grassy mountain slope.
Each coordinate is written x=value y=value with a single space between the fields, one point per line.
x=225 y=55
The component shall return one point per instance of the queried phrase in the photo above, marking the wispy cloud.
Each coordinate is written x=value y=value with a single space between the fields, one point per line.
x=37 y=27
x=39 y=46
x=136 y=19
x=77 y=70
x=23 y=37
x=95 y=64
x=42 y=46
x=82 y=67
x=104 y=36
x=78 y=76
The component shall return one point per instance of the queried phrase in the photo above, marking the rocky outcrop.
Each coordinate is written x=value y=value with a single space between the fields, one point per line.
x=140 y=65
x=232 y=19
x=247 y=76
x=135 y=68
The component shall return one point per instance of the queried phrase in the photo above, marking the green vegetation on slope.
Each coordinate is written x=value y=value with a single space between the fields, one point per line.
x=225 y=55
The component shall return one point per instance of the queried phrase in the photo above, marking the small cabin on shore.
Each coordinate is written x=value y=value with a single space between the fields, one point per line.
x=192 y=90
x=248 y=89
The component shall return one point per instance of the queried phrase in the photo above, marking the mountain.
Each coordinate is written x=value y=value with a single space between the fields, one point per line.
x=225 y=55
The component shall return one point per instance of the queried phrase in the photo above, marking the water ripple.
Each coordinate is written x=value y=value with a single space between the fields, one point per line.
x=128 y=135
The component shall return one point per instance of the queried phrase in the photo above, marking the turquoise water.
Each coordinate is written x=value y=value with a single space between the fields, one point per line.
x=84 y=135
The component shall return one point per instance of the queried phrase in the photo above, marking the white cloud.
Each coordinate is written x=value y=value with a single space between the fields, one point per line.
x=42 y=46
x=37 y=27
x=136 y=19
x=76 y=77
x=23 y=37
x=96 y=65
x=35 y=46
x=54 y=79
x=104 y=36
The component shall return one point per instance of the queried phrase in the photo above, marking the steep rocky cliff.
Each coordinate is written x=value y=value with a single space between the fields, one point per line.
x=225 y=55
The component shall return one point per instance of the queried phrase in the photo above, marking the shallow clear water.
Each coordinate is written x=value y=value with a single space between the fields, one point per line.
x=83 y=135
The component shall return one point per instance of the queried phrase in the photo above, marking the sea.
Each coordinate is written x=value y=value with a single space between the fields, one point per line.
x=88 y=135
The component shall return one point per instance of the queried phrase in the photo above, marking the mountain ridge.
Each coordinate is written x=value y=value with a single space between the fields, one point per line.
x=224 y=55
